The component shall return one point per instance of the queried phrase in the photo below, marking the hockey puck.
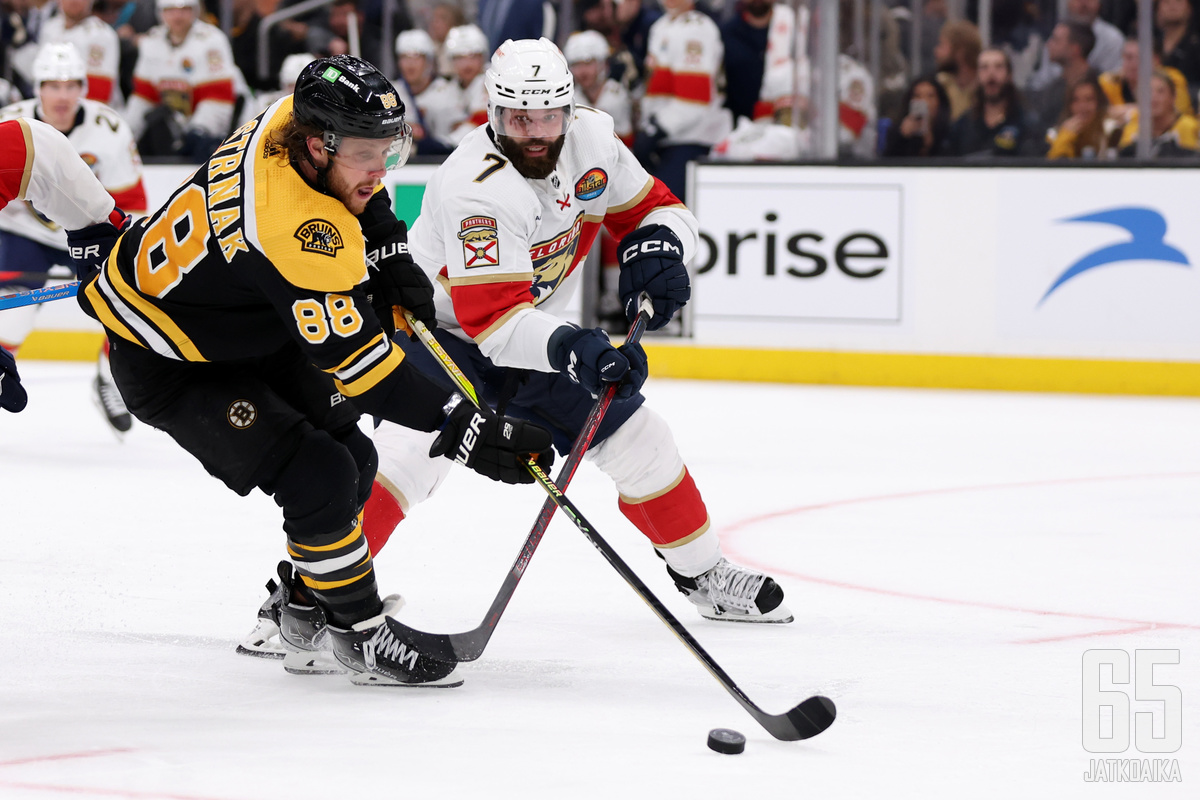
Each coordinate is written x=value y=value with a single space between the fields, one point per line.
x=725 y=740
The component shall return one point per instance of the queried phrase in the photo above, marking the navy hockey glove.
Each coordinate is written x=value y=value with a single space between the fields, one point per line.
x=12 y=393
x=88 y=248
x=652 y=262
x=396 y=280
x=587 y=357
x=493 y=446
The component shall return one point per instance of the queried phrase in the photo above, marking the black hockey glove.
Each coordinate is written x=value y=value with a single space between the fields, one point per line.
x=396 y=280
x=652 y=262
x=587 y=357
x=646 y=144
x=494 y=446
x=12 y=393
x=88 y=248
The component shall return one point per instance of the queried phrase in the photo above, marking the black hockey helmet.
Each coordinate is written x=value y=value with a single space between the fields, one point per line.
x=347 y=96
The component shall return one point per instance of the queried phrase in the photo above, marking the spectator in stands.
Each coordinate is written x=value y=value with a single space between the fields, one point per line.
x=183 y=85
x=1121 y=87
x=996 y=125
x=95 y=41
x=286 y=38
x=1105 y=56
x=924 y=130
x=626 y=25
x=289 y=71
x=587 y=56
x=1180 y=39
x=444 y=18
x=957 y=55
x=501 y=20
x=1068 y=46
x=1080 y=132
x=683 y=114
x=426 y=96
x=1172 y=134
x=469 y=54
x=331 y=36
x=760 y=48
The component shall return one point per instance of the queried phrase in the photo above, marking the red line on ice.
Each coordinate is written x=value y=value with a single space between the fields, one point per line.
x=85 y=790
x=1138 y=626
x=62 y=756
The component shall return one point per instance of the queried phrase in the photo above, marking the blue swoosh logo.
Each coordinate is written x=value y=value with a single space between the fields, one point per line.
x=1146 y=228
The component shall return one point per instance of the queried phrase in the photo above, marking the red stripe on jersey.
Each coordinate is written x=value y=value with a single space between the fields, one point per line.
x=132 y=199
x=661 y=83
x=99 y=88
x=669 y=517
x=221 y=91
x=479 y=118
x=622 y=223
x=694 y=86
x=479 y=305
x=852 y=118
x=146 y=90
x=763 y=109
x=15 y=160
x=381 y=515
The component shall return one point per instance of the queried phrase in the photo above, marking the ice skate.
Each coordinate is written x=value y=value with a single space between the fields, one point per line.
x=263 y=641
x=302 y=631
x=108 y=399
x=377 y=655
x=730 y=593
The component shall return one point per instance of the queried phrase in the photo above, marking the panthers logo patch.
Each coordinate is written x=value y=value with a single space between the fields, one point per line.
x=319 y=236
x=481 y=242
x=241 y=414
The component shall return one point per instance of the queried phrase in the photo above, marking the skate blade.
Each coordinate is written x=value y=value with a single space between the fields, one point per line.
x=311 y=663
x=779 y=615
x=262 y=642
x=274 y=655
x=371 y=679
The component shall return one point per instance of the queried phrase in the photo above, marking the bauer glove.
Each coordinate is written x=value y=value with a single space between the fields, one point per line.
x=652 y=262
x=494 y=446
x=88 y=248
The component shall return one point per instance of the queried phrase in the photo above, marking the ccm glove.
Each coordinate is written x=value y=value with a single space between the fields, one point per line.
x=88 y=248
x=492 y=445
x=396 y=280
x=587 y=357
x=652 y=261
x=12 y=393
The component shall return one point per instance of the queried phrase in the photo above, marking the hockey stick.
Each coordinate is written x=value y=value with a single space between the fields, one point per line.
x=469 y=645
x=807 y=719
x=43 y=295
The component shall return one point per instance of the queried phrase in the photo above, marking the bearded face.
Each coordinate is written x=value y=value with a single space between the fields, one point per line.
x=533 y=158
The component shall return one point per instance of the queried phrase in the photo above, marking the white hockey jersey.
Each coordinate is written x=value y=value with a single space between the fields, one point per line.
x=105 y=143
x=196 y=78
x=615 y=101
x=37 y=165
x=684 y=57
x=786 y=65
x=505 y=251
x=100 y=48
x=441 y=108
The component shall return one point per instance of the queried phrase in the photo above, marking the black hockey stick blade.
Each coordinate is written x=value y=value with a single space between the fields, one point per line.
x=803 y=722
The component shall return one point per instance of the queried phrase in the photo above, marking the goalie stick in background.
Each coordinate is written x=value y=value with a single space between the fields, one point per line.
x=240 y=330
x=38 y=164
x=505 y=224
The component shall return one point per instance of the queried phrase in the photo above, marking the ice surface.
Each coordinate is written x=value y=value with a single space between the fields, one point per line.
x=949 y=557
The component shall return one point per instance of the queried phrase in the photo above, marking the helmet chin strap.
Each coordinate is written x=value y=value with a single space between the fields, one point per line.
x=330 y=144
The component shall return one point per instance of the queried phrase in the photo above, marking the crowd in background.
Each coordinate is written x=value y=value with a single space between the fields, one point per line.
x=682 y=78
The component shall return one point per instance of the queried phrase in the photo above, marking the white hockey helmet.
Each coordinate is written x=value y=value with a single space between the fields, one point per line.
x=161 y=4
x=291 y=67
x=415 y=42
x=586 y=46
x=466 y=40
x=529 y=74
x=58 y=62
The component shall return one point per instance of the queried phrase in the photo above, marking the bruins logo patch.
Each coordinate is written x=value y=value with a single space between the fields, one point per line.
x=241 y=414
x=319 y=236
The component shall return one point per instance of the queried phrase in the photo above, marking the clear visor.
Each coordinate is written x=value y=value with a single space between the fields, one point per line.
x=374 y=155
x=531 y=123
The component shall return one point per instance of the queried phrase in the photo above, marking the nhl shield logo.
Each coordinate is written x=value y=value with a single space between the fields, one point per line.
x=241 y=414
x=481 y=242
x=319 y=236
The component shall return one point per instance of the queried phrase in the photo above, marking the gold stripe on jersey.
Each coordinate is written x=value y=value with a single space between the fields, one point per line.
x=495 y=277
x=311 y=238
x=369 y=379
x=27 y=135
x=107 y=318
x=155 y=316
x=489 y=330
x=327 y=585
x=637 y=198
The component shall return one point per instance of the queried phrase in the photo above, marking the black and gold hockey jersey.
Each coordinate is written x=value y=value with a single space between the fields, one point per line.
x=245 y=257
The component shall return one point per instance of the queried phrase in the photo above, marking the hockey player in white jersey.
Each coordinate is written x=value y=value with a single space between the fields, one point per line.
x=467 y=47
x=97 y=43
x=504 y=227
x=587 y=55
x=183 y=84
x=31 y=241
x=421 y=89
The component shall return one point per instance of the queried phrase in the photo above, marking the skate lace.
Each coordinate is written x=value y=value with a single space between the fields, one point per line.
x=385 y=647
x=114 y=404
x=733 y=587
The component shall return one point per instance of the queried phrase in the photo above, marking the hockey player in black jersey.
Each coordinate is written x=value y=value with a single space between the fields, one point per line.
x=240 y=324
